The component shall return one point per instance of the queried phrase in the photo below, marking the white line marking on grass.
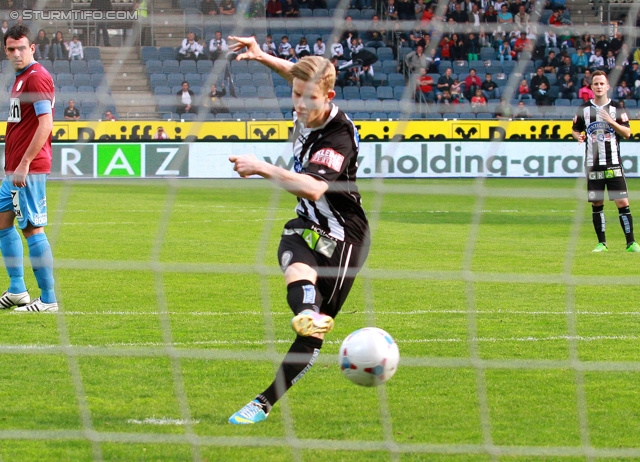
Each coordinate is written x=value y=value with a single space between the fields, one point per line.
x=162 y=421
x=337 y=341
x=381 y=313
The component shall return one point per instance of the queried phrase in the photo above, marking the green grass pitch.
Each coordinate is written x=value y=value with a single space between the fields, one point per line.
x=517 y=343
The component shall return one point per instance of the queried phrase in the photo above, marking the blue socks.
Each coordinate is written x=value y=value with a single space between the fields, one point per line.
x=42 y=263
x=12 y=253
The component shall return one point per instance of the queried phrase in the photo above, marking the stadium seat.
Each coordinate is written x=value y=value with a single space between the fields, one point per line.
x=487 y=53
x=194 y=79
x=351 y=93
x=188 y=66
x=153 y=66
x=385 y=54
x=384 y=92
x=170 y=66
x=162 y=90
x=64 y=79
x=240 y=115
x=158 y=80
x=91 y=53
x=390 y=66
x=460 y=66
x=562 y=102
x=82 y=79
x=261 y=80
x=248 y=91
x=165 y=53
x=47 y=64
x=305 y=12
x=175 y=79
x=266 y=91
x=320 y=13
x=275 y=115
x=362 y=116
x=239 y=67
x=368 y=93
x=188 y=117
x=204 y=66
x=148 y=53
x=258 y=115
x=97 y=80
x=61 y=67
x=577 y=102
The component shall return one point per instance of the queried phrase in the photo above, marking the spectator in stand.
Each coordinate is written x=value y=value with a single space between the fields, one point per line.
x=542 y=96
x=539 y=78
x=471 y=83
x=475 y=17
x=375 y=34
x=616 y=43
x=550 y=39
x=632 y=74
x=190 y=48
x=75 y=49
x=424 y=87
x=444 y=82
x=419 y=8
x=522 y=18
x=390 y=12
x=355 y=46
x=580 y=60
x=596 y=62
x=186 y=100
x=504 y=51
x=556 y=18
x=284 y=47
x=227 y=7
x=302 y=48
x=349 y=30
x=218 y=46
x=566 y=67
x=319 y=48
x=551 y=63
x=291 y=9
x=293 y=57
x=446 y=98
x=602 y=44
x=503 y=110
x=490 y=15
x=108 y=115
x=524 y=92
x=59 y=47
x=610 y=63
x=428 y=15
x=472 y=47
x=458 y=48
x=269 y=47
x=478 y=100
x=505 y=18
x=522 y=112
x=71 y=112
x=274 y=9
x=43 y=46
x=456 y=91
x=490 y=88
x=433 y=62
x=567 y=88
x=337 y=50
x=416 y=60
x=623 y=91
x=587 y=77
x=405 y=9
x=365 y=75
x=585 y=93
x=256 y=10
x=445 y=47
x=209 y=8
x=458 y=15
x=160 y=134
x=417 y=37
x=214 y=101
x=522 y=45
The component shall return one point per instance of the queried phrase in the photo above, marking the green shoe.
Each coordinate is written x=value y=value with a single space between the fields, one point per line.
x=601 y=247
x=633 y=247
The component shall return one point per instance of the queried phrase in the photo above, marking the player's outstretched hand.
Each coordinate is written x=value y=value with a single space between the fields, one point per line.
x=246 y=165
x=581 y=138
x=253 y=50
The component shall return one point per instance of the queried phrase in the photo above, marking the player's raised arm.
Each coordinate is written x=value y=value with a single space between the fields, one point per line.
x=254 y=53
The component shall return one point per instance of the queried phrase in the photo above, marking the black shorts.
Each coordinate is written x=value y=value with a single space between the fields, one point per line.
x=336 y=273
x=614 y=181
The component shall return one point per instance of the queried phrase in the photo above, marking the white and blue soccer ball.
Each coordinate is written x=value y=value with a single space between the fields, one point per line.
x=369 y=357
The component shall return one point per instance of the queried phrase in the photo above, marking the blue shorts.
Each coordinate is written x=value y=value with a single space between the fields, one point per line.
x=28 y=203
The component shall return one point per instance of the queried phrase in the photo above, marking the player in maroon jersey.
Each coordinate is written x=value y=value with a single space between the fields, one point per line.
x=27 y=165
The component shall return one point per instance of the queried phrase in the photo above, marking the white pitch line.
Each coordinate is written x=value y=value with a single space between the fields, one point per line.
x=337 y=341
x=162 y=421
x=379 y=313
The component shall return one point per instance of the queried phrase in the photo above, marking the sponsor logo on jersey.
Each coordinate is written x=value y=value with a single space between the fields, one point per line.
x=329 y=158
x=599 y=126
x=15 y=112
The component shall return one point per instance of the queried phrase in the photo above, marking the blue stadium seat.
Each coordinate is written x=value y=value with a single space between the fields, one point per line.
x=385 y=54
x=223 y=116
x=261 y=79
x=82 y=79
x=97 y=80
x=64 y=79
x=61 y=67
x=396 y=79
x=266 y=91
x=351 y=93
x=258 y=115
x=362 y=116
x=162 y=90
x=148 y=53
x=194 y=79
x=460 y=66
x=165 y=53
x=243 y=78
x=204 y=66
x=385 y=92
x=188 y=66
x=248 y=91
x=188 y=117
x=562 y=102
x=95 y=67
x=153 y=66
x=175 y=78
x=321 y=13
x=275 y=115
x=91 y=53
x=170 y=66
x=354 y=13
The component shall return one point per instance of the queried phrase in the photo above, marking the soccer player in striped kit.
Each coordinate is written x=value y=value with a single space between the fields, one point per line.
x=600 y=123
x=322 y=249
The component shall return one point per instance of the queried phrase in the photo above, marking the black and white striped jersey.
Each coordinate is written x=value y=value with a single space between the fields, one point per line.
x=330 y=153
x=602 y=144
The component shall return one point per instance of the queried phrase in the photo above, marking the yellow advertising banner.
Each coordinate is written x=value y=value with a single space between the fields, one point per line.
x=264 y=130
